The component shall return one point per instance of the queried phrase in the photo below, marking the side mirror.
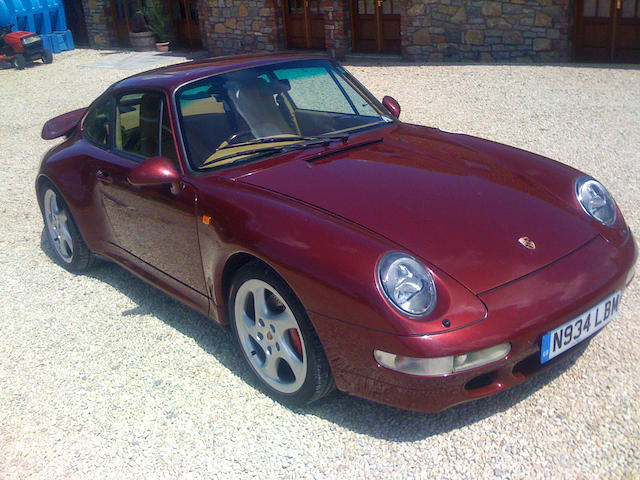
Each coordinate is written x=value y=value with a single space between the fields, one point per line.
x=156 y=171
x=392 y=105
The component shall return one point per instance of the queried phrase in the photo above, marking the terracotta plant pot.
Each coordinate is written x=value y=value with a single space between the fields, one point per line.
x=162 y=46
x=143 y=41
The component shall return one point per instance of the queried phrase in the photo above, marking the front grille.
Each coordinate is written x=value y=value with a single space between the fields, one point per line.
x=33 y=48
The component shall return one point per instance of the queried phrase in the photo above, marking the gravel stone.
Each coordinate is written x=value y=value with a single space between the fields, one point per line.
x=101 y=375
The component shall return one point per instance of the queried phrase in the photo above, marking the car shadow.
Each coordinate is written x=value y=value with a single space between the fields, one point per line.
x=356 y=414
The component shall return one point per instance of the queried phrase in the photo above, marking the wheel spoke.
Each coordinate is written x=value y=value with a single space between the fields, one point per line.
x=246 y=325
x=296 y=365
x=66 y=242
x=283 y=321
x=259 y=304
x=53 y=204
x=270 y=366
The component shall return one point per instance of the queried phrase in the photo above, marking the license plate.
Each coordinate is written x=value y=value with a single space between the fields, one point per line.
x=569 y=334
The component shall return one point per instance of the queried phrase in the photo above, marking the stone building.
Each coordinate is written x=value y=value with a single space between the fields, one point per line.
x=420 y=30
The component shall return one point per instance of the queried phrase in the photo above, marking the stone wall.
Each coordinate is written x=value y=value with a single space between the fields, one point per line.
x=335 y=27
x=432 y=30
x=98 y=19
x=232 y=27
x=516 y=30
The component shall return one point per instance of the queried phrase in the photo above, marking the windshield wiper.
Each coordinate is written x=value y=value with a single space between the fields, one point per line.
x=308 y=142
x=259 y=141
x=288 y=138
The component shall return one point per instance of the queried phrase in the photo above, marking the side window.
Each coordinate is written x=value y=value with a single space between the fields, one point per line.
x=138 y=121
x=205 y=122
x=167 y=147
x=96 y=124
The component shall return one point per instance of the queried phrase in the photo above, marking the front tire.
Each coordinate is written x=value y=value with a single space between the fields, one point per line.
x=47 y=57
x=63 y=235
x=276 y=337
x=19 y=61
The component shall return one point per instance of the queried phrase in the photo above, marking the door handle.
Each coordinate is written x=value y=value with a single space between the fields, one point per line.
x=103 y=176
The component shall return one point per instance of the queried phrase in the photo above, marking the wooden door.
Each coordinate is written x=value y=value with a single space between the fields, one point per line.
x=122 y=12
x=76 y=21
x=304 y=24
x=627 y=32
x=186 y=26
x=607 y=30
x=376 y=25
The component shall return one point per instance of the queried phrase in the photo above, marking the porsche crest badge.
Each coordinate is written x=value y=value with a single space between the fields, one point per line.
x=526 y=242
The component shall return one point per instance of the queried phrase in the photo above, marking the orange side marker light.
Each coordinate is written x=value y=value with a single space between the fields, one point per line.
x=206 y=219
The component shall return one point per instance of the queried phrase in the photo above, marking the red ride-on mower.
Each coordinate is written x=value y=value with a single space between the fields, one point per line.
x=18 y=48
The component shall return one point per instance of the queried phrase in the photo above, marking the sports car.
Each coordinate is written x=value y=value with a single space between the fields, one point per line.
x=345 y=249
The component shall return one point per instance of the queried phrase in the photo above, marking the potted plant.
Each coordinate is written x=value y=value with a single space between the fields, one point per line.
x=158 y=22
x=141 y=37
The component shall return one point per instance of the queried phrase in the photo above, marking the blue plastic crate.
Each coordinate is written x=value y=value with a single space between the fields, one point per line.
x=58 y=42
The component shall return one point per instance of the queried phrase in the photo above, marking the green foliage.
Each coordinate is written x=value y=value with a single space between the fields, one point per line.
x=158 y=22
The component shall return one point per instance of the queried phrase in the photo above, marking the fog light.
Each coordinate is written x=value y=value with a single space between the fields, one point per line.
x=431 y=367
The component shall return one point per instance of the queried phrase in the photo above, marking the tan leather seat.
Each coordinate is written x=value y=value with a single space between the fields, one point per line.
x=254 y=101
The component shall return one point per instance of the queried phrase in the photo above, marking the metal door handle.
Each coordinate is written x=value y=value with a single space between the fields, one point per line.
x=103 y=176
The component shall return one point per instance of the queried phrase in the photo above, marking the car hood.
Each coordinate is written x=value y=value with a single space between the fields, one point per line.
x=458 y=202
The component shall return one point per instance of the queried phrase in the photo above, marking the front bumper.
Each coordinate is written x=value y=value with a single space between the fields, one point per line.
x=520 y=312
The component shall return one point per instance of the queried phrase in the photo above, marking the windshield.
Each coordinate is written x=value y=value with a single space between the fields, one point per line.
x=232 y=116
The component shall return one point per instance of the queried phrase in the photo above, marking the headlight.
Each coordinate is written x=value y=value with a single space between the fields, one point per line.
x=29 y=40
x=596 y=200
x=407 y=283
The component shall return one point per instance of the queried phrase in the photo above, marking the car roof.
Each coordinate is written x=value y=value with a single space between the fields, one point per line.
x=173 y=76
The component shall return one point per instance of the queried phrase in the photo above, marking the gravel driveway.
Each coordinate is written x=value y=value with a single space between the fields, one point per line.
x=101 y=375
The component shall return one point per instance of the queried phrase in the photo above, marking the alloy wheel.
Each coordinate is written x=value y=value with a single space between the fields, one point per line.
x=270 y=336
x=57 y=221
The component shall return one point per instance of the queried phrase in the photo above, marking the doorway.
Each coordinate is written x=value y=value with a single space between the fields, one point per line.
x=122 y=12
x=607 y=30
x=304 y=24
x=376 y=26
x=186 y=26
x=76 y=21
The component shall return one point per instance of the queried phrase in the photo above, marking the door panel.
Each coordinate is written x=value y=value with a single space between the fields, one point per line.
x=304 y=24
x=607 y=30
x=122 y=11
x=186 y=26
x=153 y=224
x=376 y=25
x=627 y=35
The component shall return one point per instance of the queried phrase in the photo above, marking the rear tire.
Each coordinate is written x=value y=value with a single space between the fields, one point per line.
x=276 y=337
x=69 y=249
x=47 y=57
x=19 y=61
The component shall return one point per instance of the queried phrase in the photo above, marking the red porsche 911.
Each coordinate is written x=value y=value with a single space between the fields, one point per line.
x=346 y=249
